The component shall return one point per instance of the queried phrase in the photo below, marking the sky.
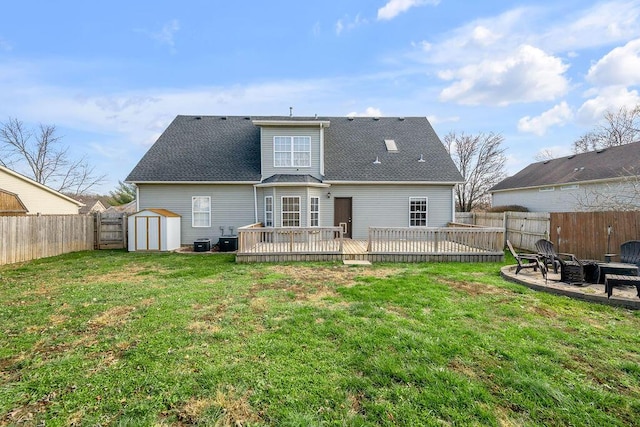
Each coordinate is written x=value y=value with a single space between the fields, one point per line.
x=112 y=75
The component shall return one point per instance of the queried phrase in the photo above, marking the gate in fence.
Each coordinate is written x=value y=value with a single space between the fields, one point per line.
x=110 y=230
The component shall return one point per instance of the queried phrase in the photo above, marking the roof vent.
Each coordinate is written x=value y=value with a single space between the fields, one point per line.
x=350 y=118
x=545 y=162
x=421 y=159
x=600 y=150
x=571 y=156
x=391 y=145
x=247 y=118
x=401 y=119
x=377 y=161
x=223 y=117
x=198 y=118
x=376 y=118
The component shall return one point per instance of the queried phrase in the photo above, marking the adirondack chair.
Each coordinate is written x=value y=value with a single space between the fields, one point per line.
x=571 y=268
x=630 y=252
x=532 y=261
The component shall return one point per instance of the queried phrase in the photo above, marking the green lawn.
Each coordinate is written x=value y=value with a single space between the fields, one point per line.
x=112 y=338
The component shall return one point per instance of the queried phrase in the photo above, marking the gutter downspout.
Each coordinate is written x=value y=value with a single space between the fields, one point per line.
x=255 y=204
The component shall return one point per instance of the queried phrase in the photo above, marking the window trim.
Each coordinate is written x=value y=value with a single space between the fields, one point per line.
x=426 y=211
x=546 y=189
x=282 y=211
x=268 y=211
x=193 y=212
x=569 y=187
x=312 y=212
x=292 y=151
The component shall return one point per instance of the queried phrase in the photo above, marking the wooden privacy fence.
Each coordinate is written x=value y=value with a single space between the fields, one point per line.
x=585 y=234
x=24 y=238
x=522 y=229
x=457 y=240
x=110 y=230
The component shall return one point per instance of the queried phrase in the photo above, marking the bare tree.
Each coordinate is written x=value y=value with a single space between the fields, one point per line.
x=620 y=127
x=480 y=159
x=543 y=155
x=621 y=195
x=47 y=161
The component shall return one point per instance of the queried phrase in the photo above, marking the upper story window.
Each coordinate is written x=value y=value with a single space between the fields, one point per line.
x=291 y=151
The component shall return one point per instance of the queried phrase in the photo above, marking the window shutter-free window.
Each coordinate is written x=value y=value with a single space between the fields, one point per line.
x=201 y=211
x=291 y=151
x=291 y=211
x=314 y=212
x=417 y=211
x=268 y=211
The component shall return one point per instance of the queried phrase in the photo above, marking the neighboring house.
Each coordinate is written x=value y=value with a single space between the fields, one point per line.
x=127 y=208
x=93 y=205
x=10 y=204
x=606 y=179
x=38 y=199
x=221 y=173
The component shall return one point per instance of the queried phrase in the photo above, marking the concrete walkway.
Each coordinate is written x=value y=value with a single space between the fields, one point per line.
x=623 y=296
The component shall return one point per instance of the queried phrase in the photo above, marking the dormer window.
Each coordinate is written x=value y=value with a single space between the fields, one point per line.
x=291 y=151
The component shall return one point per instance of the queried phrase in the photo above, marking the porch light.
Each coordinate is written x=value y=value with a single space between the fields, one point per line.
x=329 y=195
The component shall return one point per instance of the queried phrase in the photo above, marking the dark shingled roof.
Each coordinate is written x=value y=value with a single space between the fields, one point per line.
x=610 y=163
x=283 y=178
x=227 y=148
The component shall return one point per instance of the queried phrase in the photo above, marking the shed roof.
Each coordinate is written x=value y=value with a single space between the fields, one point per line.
x=607 y=164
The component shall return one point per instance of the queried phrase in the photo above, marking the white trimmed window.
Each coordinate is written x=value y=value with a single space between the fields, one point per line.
x=291 y=151
x=314 y=212
x=417 y=211
x=268 y=211
x=201 y=211
x=291 y=211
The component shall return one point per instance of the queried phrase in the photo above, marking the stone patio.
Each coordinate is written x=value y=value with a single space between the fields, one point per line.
x=624 y=296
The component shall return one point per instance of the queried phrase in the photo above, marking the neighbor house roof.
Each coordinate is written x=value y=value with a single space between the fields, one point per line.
x=606 y=164
x=10 y=204
x=227 y=149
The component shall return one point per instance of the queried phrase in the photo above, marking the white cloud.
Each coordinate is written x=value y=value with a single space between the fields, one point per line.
x=558 y=115
x=608 y=98
x=394 y=8
x=165 y=36
x=527 y=75
x=348 y=24
x=621 y=66
x=369 y=112
x=434 y=120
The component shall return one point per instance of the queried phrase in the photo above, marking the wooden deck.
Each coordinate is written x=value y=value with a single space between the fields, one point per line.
x=385 y=244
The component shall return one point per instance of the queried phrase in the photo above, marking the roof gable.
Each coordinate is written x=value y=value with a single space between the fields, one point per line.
x=605 y=164
x=227 y=149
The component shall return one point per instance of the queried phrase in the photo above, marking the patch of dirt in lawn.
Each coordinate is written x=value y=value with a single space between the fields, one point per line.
x=339 y=275
x=236 y=409
x=461 y=368
x=541 y=311
x=114 y=316
x=191 y=412
x=203 y=327
x=127 y=274
x=26 y=414
x=473 y=288
x=355 y=403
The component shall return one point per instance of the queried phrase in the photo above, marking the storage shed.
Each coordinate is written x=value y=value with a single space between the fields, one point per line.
x=154 y=230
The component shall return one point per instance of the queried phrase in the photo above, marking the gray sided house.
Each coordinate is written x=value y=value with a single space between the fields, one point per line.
x=220 y=173
x=606 y=179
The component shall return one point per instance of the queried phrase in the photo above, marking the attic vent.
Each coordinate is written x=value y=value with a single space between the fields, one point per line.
x=198 y=118
x=391 y=145
x=571 y=156
x=350 y=118
x=247 y=118
x=401 y=119
x=223 y=118
x=600 y=150
x=545 y=162
x=376 y=118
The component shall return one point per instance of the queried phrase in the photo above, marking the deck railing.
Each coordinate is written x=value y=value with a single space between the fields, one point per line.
x=255 y=239
x=451 y=240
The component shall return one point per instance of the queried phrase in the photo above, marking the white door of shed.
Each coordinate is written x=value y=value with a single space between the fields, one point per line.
x=148 y=233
